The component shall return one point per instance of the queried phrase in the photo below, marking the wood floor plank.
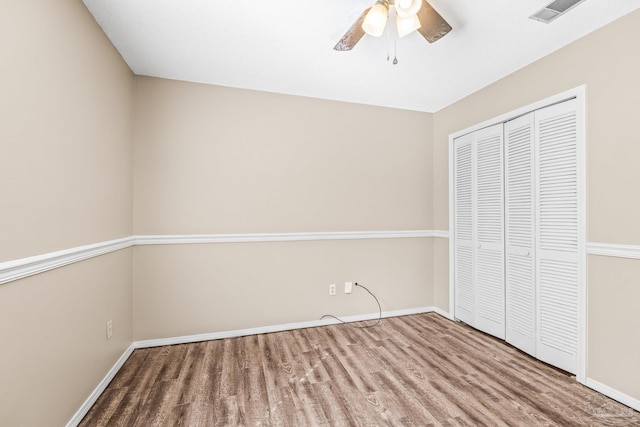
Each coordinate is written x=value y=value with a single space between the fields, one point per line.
x=357 y=400
x=415 y=380
x=230 y=366
x=419 y=370
x=409 y=411
x=159 y=403
x=308 y=406
x=256 y=402
x=333 y=405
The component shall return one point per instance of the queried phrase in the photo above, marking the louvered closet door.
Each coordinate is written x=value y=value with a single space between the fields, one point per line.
x=489 y=220
x=463 y=227
x=519 y=234
x=557 y=224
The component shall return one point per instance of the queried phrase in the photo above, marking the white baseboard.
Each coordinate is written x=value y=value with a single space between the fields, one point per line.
x=276 y=328
x=613 y=393
x=442 y=313
x=86 y=406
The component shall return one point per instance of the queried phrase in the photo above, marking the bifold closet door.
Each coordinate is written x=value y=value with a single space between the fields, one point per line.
x=519 y=234
x=479 y=232
x=558 y=232
x=464 y=171
x=489 y=225
x=542 y=234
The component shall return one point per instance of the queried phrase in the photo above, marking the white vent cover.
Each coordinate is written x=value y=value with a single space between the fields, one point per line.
x=554 y=9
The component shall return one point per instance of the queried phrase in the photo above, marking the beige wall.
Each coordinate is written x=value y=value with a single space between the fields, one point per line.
x=66 y=127
x=219 y=160
x=607 y=62
x=52 y=329
x=614 y=322
x=195 y=289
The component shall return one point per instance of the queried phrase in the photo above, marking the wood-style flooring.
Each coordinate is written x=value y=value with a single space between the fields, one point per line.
x=420 y=370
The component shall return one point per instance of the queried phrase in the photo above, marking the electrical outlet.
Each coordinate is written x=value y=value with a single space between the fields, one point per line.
x=348 y=287
x=109 y=329
x=332 y=289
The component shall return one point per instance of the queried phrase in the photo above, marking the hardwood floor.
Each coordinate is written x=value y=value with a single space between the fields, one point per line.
x=420 y=370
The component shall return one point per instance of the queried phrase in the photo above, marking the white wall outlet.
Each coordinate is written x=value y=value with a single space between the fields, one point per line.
x=109 y=329
x=332 y=289
x=348 y=287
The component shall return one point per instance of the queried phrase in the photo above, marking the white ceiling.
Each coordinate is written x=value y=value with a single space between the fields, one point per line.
x=286 y=46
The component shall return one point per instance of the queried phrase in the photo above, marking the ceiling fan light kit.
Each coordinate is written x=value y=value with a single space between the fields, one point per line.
x=411 y=15
x=406 y=17
x=407 y=25
x=376 y=19
x=407 y=8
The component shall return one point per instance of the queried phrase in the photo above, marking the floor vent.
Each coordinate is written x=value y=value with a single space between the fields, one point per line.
x=554 y=9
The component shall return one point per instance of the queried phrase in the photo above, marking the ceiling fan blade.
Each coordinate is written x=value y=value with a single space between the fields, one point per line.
x=434 y=27
x=353 y=34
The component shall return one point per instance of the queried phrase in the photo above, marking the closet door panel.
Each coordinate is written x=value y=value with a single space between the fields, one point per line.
x=489 y=220
x=520 y=293
x=557 y=224
x=519 y=233
x=465 y=295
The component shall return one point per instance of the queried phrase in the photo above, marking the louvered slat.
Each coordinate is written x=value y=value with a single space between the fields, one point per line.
x=464 y=211
x=520 y=314
x=465 y=296
x=489 y=199
x=490 y=291
x=558 y=290
x=557 y=235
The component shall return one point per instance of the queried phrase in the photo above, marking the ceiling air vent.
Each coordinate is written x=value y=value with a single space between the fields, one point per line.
x=554 y=9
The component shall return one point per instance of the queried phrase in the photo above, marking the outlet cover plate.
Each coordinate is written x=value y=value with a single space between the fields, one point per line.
x=109 y=329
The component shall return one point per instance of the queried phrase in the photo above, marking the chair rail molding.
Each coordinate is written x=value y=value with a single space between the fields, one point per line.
x=29 y=266
x=280 y=237
x=614 y=250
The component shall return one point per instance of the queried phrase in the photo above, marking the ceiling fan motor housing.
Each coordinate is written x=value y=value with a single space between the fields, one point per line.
x=407 y=8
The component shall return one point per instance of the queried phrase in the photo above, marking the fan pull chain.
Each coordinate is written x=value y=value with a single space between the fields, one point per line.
x=395 y=50
x=395 y=41
x=388 y=43
x=395 y=38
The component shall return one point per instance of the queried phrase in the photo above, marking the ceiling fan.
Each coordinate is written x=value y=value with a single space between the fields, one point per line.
x=411 y=15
